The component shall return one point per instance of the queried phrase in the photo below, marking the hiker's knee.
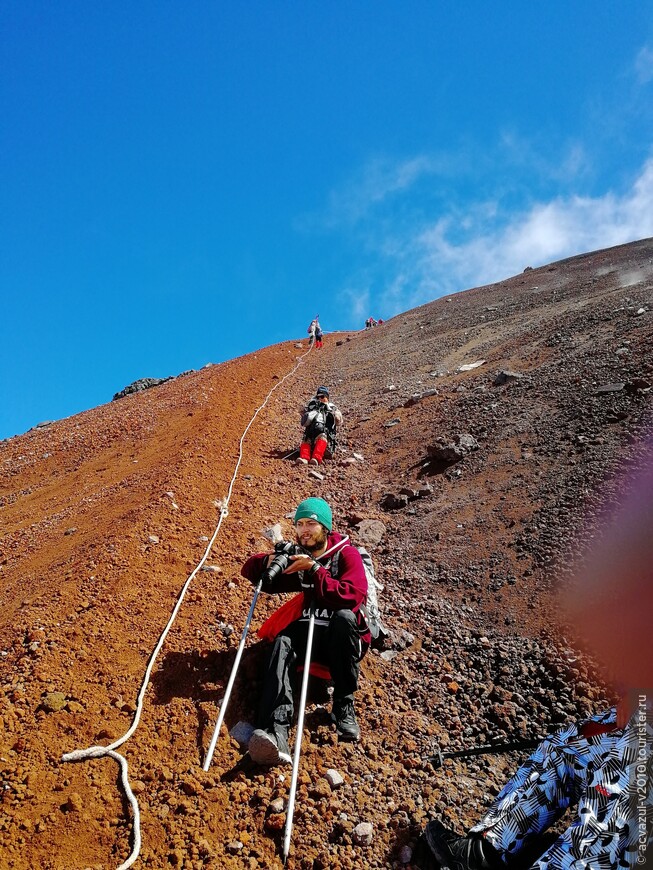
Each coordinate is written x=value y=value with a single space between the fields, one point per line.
x=343 y=623
x=282 y=647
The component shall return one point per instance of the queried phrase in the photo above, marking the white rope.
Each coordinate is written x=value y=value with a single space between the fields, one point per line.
x=101 y=751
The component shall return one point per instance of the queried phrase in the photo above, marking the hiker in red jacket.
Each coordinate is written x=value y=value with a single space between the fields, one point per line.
x=341 y=636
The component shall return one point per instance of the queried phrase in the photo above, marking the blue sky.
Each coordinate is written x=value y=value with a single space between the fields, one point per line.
x=184 y=182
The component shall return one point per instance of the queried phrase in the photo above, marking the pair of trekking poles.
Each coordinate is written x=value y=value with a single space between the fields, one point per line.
x=290 y=809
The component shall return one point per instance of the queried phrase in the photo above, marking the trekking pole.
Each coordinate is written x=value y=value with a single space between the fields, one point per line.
x=439 y=757
x=298 y=739
x=232 y=680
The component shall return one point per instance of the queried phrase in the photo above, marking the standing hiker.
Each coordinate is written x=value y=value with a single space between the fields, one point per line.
x=341 y=636
x=319 y=421
x=318 y=334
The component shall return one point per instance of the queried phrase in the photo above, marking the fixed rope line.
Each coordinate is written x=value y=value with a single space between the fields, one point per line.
x=101 y=751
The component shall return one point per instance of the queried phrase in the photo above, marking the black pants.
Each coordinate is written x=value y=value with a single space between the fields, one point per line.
x=336 y=645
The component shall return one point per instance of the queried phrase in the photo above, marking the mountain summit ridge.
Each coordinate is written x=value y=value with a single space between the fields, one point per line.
x=105 y=514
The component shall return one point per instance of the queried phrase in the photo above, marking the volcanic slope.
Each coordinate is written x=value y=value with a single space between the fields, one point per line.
x=105 y=514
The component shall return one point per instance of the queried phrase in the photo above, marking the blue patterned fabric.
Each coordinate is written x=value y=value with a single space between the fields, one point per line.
x=598 y=774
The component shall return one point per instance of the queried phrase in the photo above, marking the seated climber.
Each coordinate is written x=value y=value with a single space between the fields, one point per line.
x=341 y=635
x=593 y=765
x=319 y=421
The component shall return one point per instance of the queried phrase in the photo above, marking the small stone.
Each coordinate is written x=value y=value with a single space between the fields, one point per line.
x=363 y=834
x=315 y=474
x=469 y=366
x=191 y=787
x=610 y=388
x=417 y=397
x=277 y=806
x=212 y=569
x=74 y=804
x=53 y=702
x=74 y=707
x=275 y=822
x=504 y=376
x=405 y=855
x=391 y=501
x=153 y=539
x=321 y=789
x=70 y=531
x=334 y=778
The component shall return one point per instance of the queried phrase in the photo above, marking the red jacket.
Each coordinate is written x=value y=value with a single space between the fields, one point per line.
x=347 y=591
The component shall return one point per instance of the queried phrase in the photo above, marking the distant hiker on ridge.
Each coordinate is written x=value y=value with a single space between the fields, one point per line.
x=313 y=328
x=319 y=421
x=330 y=573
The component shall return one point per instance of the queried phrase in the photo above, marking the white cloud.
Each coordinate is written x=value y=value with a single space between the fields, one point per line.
x=644 y=65
x=548 y=231
x=415 y=261
x=357 y=302
x=381 y=179
x=484 y=245
x=560 y=165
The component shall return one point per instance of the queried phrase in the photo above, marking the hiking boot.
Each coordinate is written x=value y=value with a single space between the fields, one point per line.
x=440 y=849
x=345 y=718
x=314 y=461
x=269 y=747
x=301 y=461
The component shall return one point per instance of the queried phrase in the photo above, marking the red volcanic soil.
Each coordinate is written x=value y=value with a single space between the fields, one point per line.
x=104 y=515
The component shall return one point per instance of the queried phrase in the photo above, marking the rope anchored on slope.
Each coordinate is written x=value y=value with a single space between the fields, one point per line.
x=102 y=751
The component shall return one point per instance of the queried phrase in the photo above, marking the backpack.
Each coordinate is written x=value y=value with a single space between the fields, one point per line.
x=317 y=419
x=370 y=609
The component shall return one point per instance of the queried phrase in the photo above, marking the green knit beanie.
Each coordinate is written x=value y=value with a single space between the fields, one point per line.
x=315 y=509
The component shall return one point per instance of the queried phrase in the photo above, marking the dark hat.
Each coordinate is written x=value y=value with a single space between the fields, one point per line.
x=322 y=391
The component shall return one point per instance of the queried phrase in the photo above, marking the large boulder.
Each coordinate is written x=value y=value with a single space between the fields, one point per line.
x=455 y=450
x=370 y=533
x=140 y=385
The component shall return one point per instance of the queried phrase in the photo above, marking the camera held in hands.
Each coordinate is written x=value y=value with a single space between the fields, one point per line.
x=283 y=551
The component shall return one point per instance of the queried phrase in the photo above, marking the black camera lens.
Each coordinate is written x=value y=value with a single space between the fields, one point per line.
x=284 y=550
